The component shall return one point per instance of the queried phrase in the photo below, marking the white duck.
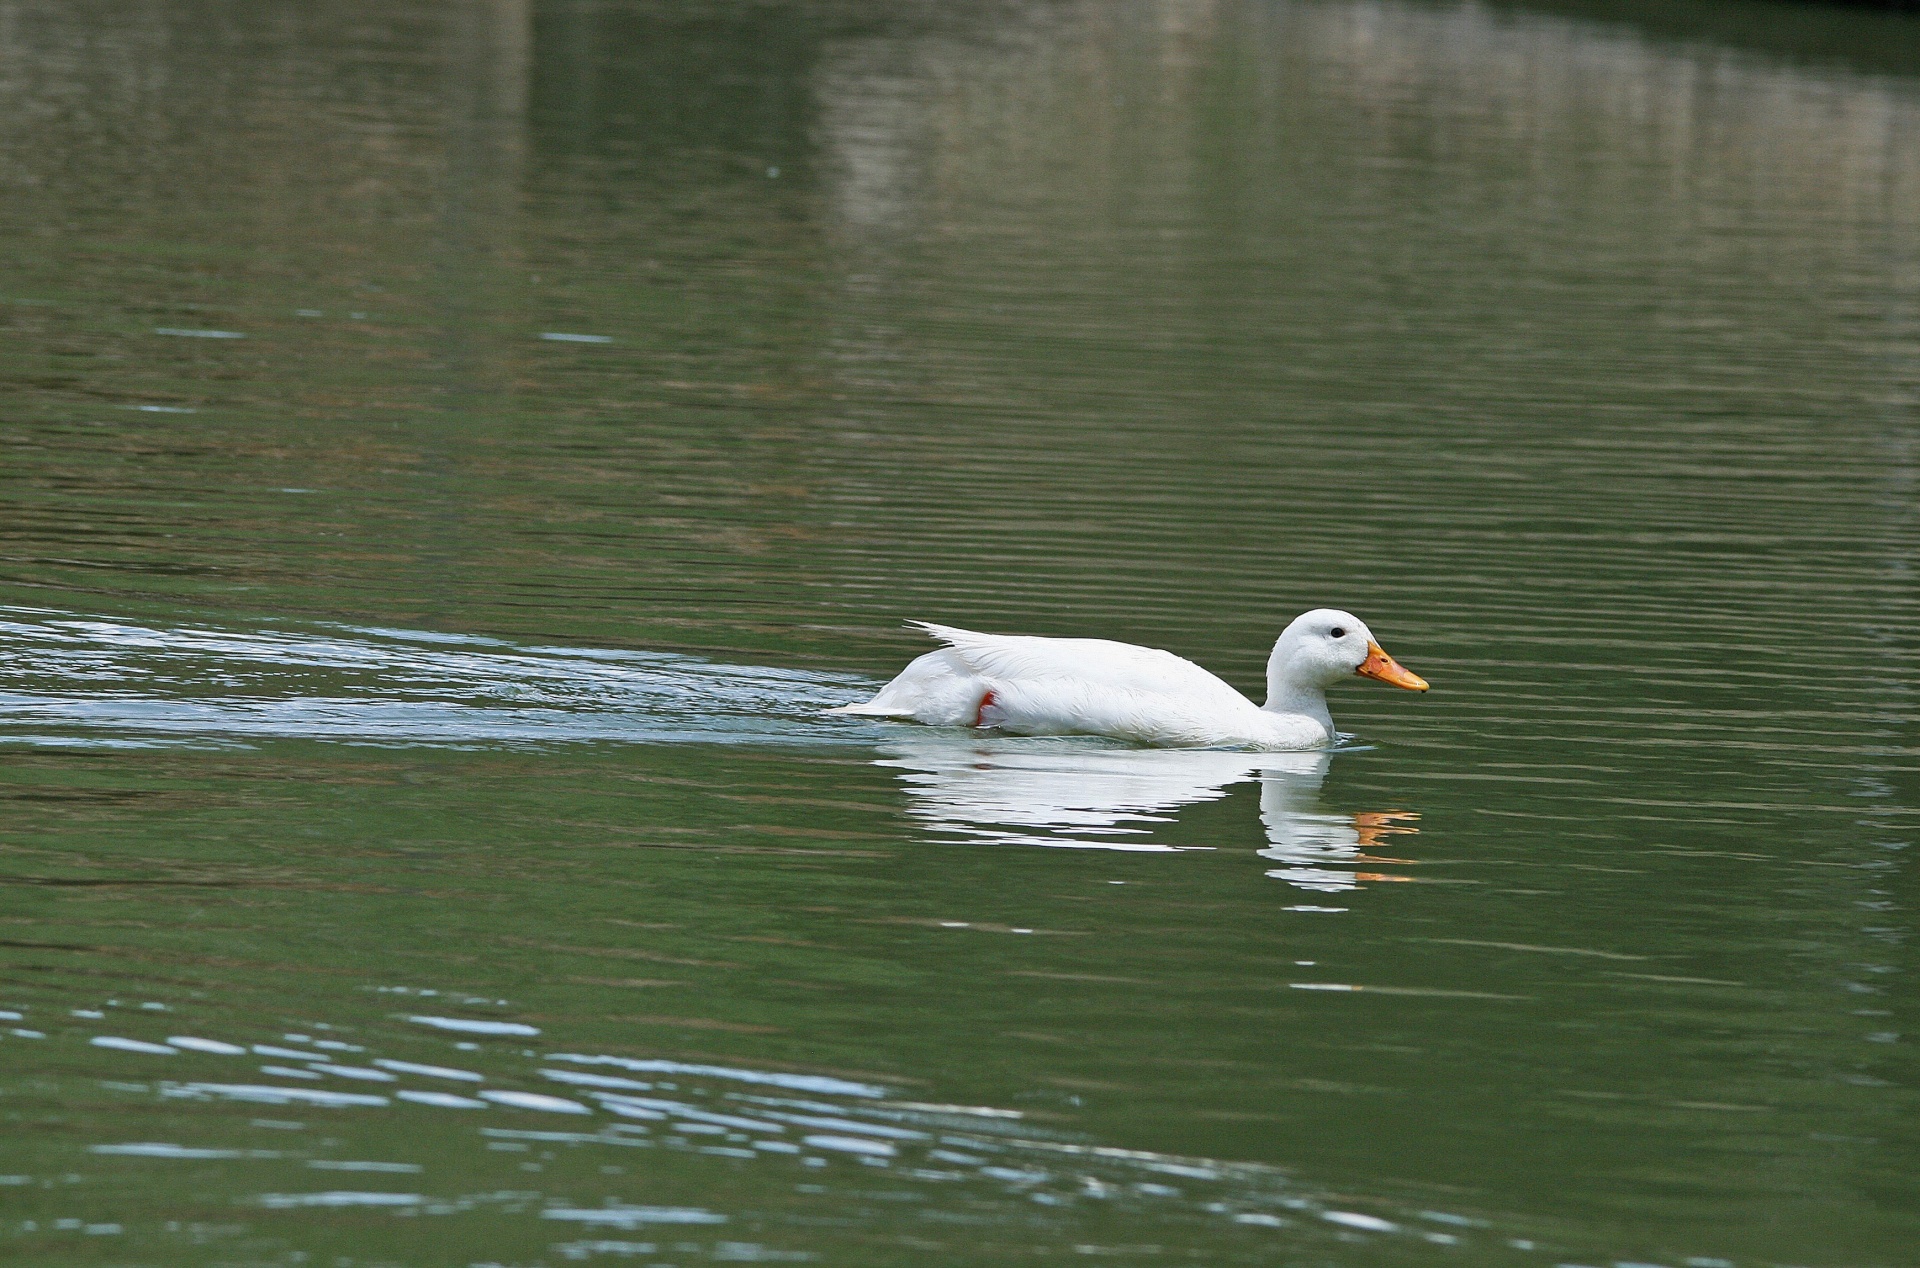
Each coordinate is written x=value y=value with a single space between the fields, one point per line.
x=1090 y=686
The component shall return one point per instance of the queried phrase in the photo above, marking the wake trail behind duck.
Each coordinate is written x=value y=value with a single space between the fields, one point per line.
x=73 y=680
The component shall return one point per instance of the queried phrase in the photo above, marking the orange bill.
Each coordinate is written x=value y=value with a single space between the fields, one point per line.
x=1384 y=667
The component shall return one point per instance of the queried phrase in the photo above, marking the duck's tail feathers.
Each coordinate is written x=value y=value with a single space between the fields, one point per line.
x=948 y=634
x=993 y=655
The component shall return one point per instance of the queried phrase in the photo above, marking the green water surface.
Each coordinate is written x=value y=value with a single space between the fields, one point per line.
x=450 y=454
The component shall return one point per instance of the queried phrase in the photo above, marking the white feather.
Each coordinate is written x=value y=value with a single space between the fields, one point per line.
x=1090 y=686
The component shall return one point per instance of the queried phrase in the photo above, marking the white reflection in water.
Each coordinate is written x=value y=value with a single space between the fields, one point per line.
x=284 y=1201
x=1086 y=794
x=812 y=1135
x=1318 y=850
x=634 y=1216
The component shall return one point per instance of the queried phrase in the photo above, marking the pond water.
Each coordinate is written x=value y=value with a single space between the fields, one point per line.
x=452 y=455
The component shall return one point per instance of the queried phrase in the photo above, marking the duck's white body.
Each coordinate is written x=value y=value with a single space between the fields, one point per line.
x=1091 y=686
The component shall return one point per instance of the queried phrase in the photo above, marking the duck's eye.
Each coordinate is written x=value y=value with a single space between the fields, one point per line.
x=1339 y=632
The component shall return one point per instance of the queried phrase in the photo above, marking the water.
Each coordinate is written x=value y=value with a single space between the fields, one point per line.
x=451 y=457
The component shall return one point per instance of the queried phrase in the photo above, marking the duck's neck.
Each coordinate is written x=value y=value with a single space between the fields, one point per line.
x=1288 y=694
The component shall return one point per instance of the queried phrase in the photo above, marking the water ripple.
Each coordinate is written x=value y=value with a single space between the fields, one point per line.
x=832 y=1146
x=71 y=680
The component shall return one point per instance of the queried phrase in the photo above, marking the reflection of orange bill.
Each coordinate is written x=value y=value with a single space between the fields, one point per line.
x=1388 y=670
x=1371 y=825
x=1379 y=876
x=1387 y=822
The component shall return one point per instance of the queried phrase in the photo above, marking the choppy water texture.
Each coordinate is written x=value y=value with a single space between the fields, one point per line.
x=451 y=455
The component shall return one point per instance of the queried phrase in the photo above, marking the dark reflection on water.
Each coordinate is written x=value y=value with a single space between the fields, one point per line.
x=451 y=454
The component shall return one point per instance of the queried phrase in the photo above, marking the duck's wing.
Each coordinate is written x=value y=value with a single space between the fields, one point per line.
x=1090 y=665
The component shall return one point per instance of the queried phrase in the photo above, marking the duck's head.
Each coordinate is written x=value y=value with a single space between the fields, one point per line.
x=1326 y=645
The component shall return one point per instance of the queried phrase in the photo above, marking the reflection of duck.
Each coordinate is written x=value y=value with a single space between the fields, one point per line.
x=1318 y=850
x=1084 y=794
x=1090 y=686
x=1061 y=792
